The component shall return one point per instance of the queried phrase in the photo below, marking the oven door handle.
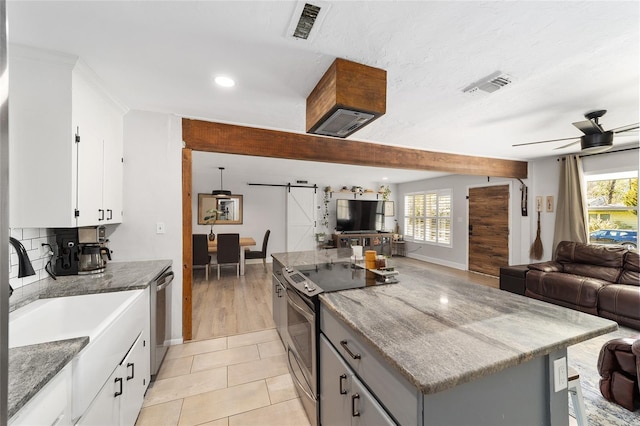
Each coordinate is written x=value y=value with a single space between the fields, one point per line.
x=295 y=377
x=304 y=312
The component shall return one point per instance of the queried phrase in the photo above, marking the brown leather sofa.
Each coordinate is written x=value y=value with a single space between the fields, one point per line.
x=596 y=279
x=619 y=368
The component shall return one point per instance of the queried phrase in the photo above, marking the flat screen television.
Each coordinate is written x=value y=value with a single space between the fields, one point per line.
x=359 y=215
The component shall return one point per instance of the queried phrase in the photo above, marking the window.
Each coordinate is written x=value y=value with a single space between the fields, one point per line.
x=427 y=217
x=612 y=204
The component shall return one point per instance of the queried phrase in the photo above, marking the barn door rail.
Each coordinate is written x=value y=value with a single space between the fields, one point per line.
x=288 y=186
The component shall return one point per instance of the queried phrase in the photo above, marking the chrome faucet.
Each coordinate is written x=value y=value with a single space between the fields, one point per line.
x=25 y=268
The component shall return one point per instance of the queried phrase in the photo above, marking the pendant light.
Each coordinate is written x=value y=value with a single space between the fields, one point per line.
x=220 y=193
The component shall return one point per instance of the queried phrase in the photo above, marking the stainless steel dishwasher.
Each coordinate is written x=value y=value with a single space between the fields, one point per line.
x=160 y=318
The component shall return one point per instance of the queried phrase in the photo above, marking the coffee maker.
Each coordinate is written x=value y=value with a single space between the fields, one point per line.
x=81 y=250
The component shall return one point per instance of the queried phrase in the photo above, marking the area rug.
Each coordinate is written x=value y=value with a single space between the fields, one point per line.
x=583 y=357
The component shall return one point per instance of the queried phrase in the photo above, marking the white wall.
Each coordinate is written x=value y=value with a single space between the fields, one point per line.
x=545 y=173
x=542 y=181
x=153 y=193
x=264 y=207
x=456 y=256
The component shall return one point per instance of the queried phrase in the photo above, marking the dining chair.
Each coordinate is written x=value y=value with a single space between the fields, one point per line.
x=228 y=251
x=201 y=256
x=255 y=254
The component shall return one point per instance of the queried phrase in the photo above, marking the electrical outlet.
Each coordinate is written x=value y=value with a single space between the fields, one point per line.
x=560 y=374
x=160 y=228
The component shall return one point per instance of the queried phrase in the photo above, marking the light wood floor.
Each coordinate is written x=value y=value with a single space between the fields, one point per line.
x=236 y=305
x=233 y=305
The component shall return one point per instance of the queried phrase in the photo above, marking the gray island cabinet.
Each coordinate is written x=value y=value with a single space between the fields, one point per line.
x=431 y=350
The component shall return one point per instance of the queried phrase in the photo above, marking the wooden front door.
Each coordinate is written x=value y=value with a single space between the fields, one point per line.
x=488 y=229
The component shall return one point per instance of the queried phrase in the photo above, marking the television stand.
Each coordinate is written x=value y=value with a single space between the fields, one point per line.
x=374 y=240
x=361 y=232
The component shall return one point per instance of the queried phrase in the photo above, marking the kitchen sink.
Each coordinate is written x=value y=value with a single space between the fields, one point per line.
x=111 y=320
x=47 y=320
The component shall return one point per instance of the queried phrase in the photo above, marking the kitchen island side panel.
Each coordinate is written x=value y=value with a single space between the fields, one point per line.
x=522 y=394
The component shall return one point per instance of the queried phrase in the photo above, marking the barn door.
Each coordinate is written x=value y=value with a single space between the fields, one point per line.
x=301 y=219
x=488 y=229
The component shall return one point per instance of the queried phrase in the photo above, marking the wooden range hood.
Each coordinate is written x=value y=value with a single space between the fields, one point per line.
x=348 y=97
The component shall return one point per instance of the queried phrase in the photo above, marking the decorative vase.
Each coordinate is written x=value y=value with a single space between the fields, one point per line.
x=212 y=236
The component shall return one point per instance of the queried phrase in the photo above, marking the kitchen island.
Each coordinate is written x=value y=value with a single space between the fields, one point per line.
x=450 y=352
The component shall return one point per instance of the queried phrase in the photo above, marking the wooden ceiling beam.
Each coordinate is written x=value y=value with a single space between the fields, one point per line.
x=241 y=140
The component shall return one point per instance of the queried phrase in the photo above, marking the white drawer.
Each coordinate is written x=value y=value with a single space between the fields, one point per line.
x=394 y=392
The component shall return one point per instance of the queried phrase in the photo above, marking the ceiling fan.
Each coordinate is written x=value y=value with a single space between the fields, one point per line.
x=595 y=138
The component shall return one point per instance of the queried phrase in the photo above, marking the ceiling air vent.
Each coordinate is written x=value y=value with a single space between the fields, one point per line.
x=490 y=83
x=306 y=20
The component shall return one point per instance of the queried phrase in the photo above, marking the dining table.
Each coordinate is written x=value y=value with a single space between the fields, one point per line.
x=244 y=242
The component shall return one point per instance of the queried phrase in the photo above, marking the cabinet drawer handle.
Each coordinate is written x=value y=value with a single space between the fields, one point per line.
x=343 y=343
x=354 y=412
x=118 y=393
x=110 y=212
x=342 y=377
x=130 y=364
x=101 y=212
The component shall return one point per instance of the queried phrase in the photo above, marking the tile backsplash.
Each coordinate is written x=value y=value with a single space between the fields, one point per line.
x=32 y=240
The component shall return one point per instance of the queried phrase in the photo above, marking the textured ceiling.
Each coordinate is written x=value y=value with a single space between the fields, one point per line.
x=564 y=57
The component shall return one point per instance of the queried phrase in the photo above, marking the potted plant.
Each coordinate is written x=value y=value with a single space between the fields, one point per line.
x=325 y=211
x=385 y=191
x=210 y=219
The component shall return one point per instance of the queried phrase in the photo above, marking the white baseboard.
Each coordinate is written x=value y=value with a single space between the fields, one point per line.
x=174 y=342
x=437 y=261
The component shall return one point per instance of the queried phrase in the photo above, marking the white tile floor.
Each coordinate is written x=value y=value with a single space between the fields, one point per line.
x=229 y=381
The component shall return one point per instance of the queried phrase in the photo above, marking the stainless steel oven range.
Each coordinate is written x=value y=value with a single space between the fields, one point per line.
x=300 y=335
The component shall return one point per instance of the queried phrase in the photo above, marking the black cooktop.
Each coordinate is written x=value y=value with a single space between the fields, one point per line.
x=335 y=276
x=341 y=276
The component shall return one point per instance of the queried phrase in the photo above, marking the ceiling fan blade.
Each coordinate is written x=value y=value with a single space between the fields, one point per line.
x=567 y=145
x=627 y=128
x=550 y=140
x=588 y=127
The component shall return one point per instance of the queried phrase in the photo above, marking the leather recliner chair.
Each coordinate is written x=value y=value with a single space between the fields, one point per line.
x=619 y=368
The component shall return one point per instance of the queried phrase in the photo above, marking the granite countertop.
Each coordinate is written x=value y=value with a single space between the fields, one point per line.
x=31 y=367
x=440 y=332
x=300 y=258
x=119 y=276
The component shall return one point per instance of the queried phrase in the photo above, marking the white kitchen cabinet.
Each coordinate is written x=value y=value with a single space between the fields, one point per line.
x=50 y=406
x=137 y=374
x=344 y=400
x=55 y=180
x=120 y=399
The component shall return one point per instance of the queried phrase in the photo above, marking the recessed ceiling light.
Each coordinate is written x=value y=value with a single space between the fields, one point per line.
x=224 y=81
x=385 y=178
